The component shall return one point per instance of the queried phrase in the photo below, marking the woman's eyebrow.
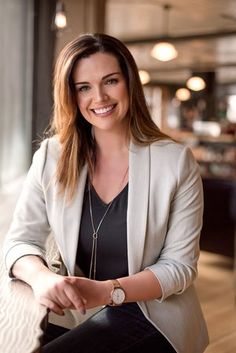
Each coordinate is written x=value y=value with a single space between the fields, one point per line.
x=113 y=73
x=103 y=78
x=81 y=83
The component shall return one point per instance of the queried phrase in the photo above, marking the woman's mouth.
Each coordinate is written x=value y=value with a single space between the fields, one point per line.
x=104 y=111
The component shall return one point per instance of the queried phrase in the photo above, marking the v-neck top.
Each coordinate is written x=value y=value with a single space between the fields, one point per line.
x=112 y=259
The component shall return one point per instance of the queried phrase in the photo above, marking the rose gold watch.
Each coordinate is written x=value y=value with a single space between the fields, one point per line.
x=117 y=294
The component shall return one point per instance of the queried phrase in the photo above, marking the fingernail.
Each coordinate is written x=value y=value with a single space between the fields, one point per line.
x=82 y=311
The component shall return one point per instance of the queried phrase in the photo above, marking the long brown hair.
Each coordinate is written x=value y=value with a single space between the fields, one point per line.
x=74 y=132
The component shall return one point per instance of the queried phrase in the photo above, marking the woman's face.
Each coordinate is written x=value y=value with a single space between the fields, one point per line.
x=101 y=91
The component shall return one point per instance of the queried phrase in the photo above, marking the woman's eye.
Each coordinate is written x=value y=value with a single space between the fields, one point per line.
x=83 y=89
x=111 y=81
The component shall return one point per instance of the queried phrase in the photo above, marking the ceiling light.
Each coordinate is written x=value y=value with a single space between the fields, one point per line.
x=144 y=76
x=60 y=17
x=196 y=83
x=164 y=51
x=183 y=94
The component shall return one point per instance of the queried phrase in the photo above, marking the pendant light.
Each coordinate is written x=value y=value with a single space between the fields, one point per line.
x=164 y=50
x=144 y=76
x=196 y=83
x=183 y=94
x=60 y=20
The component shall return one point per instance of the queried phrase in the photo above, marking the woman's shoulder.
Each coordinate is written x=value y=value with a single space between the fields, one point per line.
x=162 y=148
x=47 y=153
x=51 y=142
x=49 y=146
x=172 y=152
x=168 y=146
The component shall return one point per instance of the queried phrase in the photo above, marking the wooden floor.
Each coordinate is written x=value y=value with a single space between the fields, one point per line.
x=215 y=285
x=216 y=290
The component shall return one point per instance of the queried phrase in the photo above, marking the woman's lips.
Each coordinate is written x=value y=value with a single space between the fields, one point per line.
x=104 y=111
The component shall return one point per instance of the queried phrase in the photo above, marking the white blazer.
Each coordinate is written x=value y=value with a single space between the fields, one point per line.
x=164 y=220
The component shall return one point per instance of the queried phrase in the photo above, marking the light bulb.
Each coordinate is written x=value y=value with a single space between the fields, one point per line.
x=164 y=51
x=60 y=20
x=60 y=17
x=144 y=76
x=196 y=83
x=183 y=94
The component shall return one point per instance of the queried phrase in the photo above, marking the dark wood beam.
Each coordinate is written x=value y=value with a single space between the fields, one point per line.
x=44 y=42
x=210 y=35
x=203 y=67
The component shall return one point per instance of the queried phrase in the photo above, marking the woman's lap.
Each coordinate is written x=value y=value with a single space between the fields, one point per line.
x=111 y=330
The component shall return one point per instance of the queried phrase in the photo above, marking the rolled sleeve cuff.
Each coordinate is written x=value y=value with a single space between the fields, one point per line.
x=165 y=280
x=19 y=251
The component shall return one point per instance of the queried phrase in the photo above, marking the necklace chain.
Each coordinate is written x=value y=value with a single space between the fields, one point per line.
x=93 y=260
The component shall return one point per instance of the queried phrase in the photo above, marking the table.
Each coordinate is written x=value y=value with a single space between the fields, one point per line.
x=21 y=318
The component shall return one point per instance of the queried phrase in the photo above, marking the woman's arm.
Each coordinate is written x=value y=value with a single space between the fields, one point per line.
x=57 y=292
x=29 y=228
x=54 y=291
x=24 y=246
x=141 y=286
x=176 y=266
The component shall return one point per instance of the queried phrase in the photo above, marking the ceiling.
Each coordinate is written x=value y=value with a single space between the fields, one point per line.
x=203 y=31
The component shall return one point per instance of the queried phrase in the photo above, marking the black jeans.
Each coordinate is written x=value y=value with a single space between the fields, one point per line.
x=111 y=330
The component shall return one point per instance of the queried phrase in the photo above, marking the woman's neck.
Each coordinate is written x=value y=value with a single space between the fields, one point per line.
x=111 y=143
x=112 y=164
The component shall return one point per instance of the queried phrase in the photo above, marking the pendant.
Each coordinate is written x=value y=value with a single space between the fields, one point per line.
x=93 y=261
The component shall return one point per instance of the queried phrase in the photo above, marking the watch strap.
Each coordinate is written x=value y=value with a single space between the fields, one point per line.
x=116 y=283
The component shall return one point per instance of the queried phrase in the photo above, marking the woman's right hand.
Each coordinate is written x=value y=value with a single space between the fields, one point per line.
x=54 y=291
x=57 y=292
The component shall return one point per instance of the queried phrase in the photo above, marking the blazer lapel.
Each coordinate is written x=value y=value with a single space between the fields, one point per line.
x=139 y=163
x=71 y=216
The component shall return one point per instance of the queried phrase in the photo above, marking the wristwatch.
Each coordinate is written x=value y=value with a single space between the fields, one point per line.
x=117 y=293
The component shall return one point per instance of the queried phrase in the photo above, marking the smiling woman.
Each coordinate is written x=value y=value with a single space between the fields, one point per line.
x=125 y=205
x=102 y=93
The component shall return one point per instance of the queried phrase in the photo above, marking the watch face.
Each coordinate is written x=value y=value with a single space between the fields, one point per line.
x=118 y=296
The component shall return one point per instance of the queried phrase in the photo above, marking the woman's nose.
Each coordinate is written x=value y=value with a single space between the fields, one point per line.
x=100 y=94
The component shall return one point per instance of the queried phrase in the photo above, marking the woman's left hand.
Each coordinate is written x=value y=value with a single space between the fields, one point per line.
x=95 y=292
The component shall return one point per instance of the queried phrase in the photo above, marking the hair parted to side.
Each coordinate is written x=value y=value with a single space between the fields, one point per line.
x=73 y=131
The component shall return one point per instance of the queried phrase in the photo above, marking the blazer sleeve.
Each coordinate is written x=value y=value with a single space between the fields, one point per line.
x=29 y=227
x=176 y=267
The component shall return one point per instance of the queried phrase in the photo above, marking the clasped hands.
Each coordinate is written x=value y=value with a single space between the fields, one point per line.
x=58 y=292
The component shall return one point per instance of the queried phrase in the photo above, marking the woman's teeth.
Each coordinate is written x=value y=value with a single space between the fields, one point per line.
x=103 y=110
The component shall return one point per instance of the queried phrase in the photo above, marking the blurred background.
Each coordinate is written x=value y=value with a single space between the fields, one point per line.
x=186 y=54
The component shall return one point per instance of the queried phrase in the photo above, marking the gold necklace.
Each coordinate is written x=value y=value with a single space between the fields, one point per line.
x=93 y=260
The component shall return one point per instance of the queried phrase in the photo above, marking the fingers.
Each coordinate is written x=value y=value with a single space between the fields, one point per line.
x=70 y=300
x=74 y=297
x=52 y=306
x=66 y=294
x=62 y=300
x=59 y=292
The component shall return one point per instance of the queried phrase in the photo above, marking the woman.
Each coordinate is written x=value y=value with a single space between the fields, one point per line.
x=124 y=203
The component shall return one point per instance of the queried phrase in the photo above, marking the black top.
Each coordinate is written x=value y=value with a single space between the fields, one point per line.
x=112 y=260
